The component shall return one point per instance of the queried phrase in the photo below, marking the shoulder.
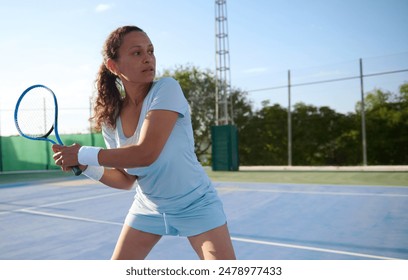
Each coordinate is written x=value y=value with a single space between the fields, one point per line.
x=107 y=130
x=167 y=80
x=167 y=86
x=166 y=94
x=108 y=134
x=167 y=83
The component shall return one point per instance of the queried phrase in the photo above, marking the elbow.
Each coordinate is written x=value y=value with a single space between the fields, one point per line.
x=148 y=158
x=139 y=156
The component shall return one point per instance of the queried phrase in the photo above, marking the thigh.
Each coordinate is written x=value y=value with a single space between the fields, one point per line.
x=214 y=244
x=134 y=244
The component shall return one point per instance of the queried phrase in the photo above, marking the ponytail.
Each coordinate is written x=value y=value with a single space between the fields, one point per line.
x=109 y=99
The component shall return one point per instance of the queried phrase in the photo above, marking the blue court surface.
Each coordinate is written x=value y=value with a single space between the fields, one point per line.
x=79 y=219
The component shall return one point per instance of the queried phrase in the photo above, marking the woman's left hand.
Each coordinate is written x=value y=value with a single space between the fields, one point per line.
x=66 y=156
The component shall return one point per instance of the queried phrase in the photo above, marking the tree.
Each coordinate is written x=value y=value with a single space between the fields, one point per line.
x=387 y=126
x=321 y=136
x=264 y=137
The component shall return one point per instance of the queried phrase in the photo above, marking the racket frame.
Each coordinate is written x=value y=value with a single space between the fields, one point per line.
x=54 y=126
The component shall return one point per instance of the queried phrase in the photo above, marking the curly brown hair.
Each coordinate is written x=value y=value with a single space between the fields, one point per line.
x=109 y=100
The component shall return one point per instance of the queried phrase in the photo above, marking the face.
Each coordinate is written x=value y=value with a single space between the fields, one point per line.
x=136 y=63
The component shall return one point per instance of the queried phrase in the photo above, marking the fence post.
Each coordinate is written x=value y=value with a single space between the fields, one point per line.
x=363 y=122
x=1 y=149
x=289 y=122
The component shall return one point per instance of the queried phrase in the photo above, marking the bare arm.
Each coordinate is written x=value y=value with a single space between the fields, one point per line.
x=155 y=131
x=118 y=179
x=112 y=177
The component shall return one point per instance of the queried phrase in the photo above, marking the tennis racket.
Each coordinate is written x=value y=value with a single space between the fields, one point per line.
x=36 y=116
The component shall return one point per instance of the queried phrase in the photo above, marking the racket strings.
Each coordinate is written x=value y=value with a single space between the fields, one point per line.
x=36 y=113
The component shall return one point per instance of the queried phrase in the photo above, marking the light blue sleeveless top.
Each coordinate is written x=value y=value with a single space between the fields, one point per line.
x=176 y=179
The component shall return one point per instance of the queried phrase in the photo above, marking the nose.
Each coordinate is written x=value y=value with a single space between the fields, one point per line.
x=147 y=58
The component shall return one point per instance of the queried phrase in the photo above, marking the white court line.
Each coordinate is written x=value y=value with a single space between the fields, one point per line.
x=40 y=213
x=247 y=240
x=63 y=202
x=75 y=200
x=311 y=248
x=240 y=189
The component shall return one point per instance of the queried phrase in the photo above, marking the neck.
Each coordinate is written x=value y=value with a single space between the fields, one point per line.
x=135 y=95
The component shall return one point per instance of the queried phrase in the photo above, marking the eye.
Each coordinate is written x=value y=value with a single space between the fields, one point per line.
x=136 y=53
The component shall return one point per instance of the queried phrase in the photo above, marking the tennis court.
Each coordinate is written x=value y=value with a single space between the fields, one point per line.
x=71 y=218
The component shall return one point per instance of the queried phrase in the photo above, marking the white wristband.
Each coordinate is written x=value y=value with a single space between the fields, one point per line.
x=94 y=172
x=88 y=155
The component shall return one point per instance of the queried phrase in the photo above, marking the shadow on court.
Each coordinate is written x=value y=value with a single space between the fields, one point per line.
x=79 y=219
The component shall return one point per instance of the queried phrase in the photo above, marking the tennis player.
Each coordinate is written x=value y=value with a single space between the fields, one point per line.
x=147 y=129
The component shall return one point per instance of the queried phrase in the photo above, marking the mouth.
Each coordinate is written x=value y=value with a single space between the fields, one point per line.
x=148 y=70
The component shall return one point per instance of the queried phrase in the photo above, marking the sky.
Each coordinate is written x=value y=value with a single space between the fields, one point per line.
x=58 y=44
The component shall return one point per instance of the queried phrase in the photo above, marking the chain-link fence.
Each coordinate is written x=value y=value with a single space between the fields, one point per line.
x=341 y=87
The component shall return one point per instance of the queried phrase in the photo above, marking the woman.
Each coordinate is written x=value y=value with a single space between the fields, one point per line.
x=150 y=143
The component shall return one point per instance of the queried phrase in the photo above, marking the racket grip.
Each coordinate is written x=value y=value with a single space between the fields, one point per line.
x=76 y=170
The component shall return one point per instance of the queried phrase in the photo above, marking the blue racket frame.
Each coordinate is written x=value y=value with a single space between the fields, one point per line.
x=75 y=169
x=54 y=126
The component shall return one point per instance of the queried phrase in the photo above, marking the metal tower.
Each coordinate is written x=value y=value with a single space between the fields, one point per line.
x=222 y=65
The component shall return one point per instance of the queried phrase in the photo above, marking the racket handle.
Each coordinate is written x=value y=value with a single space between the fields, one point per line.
x=76 y=170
